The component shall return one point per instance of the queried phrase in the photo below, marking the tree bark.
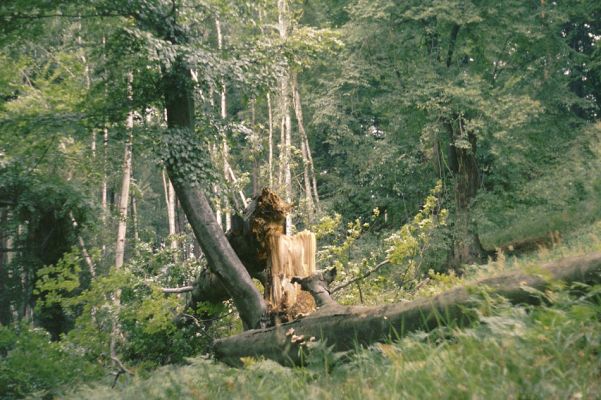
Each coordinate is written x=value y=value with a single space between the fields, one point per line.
x=5 y=298
x=248 y=239
x=82 y=244
x=310 y=180
x=225 y=148
x=343 y=327
x=270 y=115
x=286 y=134
x=104 y=197
x=464 y=167
x=221 y=257
x=170 y=201
x=125 y=183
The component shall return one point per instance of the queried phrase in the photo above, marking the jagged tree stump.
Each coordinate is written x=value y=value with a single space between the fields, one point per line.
x=270 y=256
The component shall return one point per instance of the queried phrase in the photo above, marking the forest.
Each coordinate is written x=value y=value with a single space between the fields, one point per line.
x=361 y=199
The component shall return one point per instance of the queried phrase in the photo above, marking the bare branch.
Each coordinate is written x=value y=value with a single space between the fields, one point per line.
x=183 y=289
x=360 y=277
x=61 y=15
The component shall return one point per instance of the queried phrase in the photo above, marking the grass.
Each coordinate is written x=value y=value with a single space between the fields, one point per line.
x=546 y=352
x=551 y=352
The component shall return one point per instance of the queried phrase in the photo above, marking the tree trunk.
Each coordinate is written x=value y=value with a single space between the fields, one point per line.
x=122 y=227
x=286 y=136
x=221 y=257
x=343 y=327
x=104 y=197
x=464 y=166
x=256 y=150
x=270 y=115
x=248 y=239
x=134 y=222
x=5 y=298
x=307 y=157
x=125 y=183
x=82 y=245
x=170 y=202
x=309 y=205
x=225 y=148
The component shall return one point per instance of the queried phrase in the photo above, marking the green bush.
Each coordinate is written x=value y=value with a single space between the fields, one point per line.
x=30 y=363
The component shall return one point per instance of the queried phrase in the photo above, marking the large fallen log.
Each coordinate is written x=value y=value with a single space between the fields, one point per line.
x=343 y=327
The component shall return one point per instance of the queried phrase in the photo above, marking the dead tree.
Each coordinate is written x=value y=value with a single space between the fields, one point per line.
x=343 y=327
x=269 y=256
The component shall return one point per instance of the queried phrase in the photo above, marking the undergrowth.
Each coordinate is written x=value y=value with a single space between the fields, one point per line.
x=550 y=352
x=529 y=352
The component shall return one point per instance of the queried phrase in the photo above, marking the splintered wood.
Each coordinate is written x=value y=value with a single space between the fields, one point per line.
x=291 y=256
x=285 y=256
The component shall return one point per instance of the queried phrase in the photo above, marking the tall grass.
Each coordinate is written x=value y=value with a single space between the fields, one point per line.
x=550 y=352
x=544 y=352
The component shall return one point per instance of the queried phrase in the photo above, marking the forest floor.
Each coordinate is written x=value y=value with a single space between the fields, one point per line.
x=548 y=352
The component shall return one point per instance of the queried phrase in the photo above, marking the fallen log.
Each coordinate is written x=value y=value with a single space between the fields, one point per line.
x=343 y=327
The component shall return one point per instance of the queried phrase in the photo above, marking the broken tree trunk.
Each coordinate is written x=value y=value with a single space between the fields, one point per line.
x=265 y=215
x=268 y=255
x=346 y=326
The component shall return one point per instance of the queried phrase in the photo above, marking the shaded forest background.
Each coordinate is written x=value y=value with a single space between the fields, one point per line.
x=426 y=139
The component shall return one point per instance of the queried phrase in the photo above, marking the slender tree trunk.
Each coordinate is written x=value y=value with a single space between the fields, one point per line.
x=87 y=82
x=123 y=204
x=255 y=153
x=82 y=245
x=122 y=226
x=305 y=151
x=5 y=298
x=125 y=184
x=104 y=190
x=286 y=136
x=225 y=148
x=170 y=202
x=105 y=160
x=134 y=220
x=232 y=176
x=270 y=115
x=221 y=257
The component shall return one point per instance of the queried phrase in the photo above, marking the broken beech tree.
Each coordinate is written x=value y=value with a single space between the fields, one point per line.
x=269 y=256
x=343 y=327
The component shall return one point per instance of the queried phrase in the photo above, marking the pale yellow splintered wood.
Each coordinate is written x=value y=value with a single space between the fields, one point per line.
x=290 y=256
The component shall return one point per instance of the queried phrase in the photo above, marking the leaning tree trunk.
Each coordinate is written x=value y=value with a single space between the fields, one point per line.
x=221 y=257
x=343 y=327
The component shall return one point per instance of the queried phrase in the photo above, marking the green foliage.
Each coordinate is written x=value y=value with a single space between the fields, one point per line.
x=146 y=316
x=541 y=352
x=409 y=244
x=59 y=280
x=30 y=364
x=411 y=251
x=392 y=91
